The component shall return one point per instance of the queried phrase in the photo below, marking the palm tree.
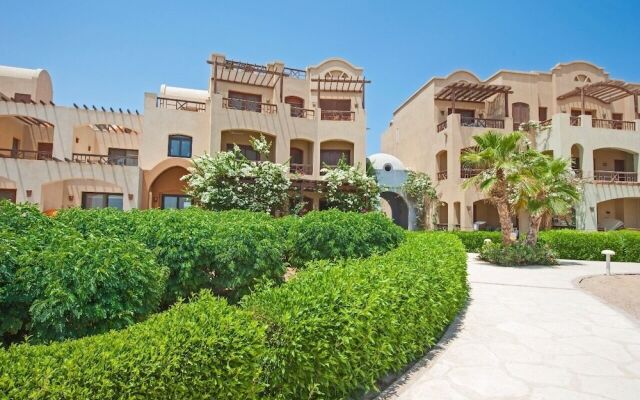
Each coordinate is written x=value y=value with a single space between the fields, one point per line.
x=548 y=187
x=499 y=157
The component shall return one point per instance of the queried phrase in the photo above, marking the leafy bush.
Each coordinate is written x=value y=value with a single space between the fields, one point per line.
x=580 y=245
x=333 y=234
x=21 y=218
x=630 y=246
x=13 y=311
x=519 y=253
x=204 y=349
x=78 y=287
x=336 y=328
x=109 y=222
x=348 y=188
x=473 y=240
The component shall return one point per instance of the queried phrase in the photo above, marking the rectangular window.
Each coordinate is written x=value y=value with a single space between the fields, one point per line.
x=123 y=157
x=102 y=200
x=22 y=97
x=331 y=157
x=175 y=201
x=245 y=101
x=463 y=113
x=335 y=105
x=246 y=150
x=179 y=146
x=542 y=113
x=8 y=194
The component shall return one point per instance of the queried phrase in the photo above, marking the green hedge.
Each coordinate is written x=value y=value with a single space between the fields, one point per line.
x=201 y=350
x=473 y=240
x=333 y=234
x=580 y=245
x=335 y=329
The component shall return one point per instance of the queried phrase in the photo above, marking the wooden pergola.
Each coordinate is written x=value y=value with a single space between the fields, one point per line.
x=341 y=85
x=473 y=93
x=33 y=121
x=606 y=92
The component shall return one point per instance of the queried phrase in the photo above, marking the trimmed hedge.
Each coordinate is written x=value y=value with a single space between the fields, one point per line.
x=580 y=245
x=333 y=234
x=201 y=350
x=335 y=329
x=473 y=240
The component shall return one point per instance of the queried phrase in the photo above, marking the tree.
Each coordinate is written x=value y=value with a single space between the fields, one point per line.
x=548 y=187
x=499 y=158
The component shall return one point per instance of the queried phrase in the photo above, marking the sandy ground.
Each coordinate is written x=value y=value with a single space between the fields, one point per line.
x=622 y=291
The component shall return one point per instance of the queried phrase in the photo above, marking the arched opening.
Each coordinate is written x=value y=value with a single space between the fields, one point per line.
x=333 y=151
x=105 y=144
x=485 y=216
x=619 y=213
x=396 y=208
x=168 y=190
x=301 y=157
x=85 y=193
x=441 y=165
x=456 y=215
x=443 y=216
x=615 y=165
x=520 y=113
x=26 y=137
x=243 y=140
x=576 y=159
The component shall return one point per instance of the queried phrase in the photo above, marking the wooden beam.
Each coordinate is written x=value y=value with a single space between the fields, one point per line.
x=506 y=104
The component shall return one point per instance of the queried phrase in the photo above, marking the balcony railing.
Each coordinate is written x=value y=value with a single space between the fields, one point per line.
x=295 y=73
x=26 y=154
x=184 y=105
x=441 y=126
x=336 y=115
x=248 y=105
x=442 y=175
x=613 y=124
x=482 y=122
x=302 y=169
x=469 y=172
x=615 y=176
x=545 y=124
x=302 y=113
x=105 y=159
x=574 y=121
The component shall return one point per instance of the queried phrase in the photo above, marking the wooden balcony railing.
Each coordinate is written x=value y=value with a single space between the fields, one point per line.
x=441 y=126
x=613 y=124
x=442 y=175
x=184 y=105
x=545 y=124
x=295 y=73
x=26 y=154
x=336 y=115
x=469 y=172
x=302 y=169
x=615 y=176
x=482 y=122
x=105 y=159
x=248 y=105
x=302 y=113
x=574 y=121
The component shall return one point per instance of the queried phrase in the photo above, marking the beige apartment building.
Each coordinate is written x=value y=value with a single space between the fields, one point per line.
x=79 y=155
x=584 y=115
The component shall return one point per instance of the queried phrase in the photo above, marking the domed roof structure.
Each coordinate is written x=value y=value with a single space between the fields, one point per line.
x=386 y=162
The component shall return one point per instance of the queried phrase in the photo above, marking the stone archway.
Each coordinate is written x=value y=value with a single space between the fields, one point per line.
x=398 y=208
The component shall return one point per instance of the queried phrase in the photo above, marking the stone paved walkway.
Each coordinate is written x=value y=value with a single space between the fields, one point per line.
x=532 y=334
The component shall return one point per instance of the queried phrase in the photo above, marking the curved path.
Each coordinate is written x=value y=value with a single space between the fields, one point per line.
x=530 y=333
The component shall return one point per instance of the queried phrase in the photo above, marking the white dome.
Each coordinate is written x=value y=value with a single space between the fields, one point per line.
x=383 y=161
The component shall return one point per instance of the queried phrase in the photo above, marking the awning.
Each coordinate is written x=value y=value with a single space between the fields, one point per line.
x=470 y=92
x=606 y=91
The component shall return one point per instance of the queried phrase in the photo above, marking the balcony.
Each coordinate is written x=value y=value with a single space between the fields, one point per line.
x=615 y=177
x=26 y=154
x=337 y=115
x=298 y=112
x=613 y=124
x=105 y=159
x=469 y=172
x=248 y=105
x=183 y=105
x=481 y=122
x=301 y=169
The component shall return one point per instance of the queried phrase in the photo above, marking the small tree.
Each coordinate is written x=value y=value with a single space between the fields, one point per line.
x=349 y=189
x=229 y=180
x=420 y=190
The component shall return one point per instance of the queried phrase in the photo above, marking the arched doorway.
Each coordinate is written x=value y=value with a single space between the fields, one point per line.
x=168 y=190
x=619 y=213
x=398 y=208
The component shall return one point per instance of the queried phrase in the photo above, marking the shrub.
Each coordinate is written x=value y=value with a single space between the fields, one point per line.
x=333 y=234
x=22 y=217
x=519 y=253
x=580 y=245
x=78 y=287
x=336 y=328
x=14 y=312
x=204 y=349
x=348 y=188
x=473 y=240
x=630 y=246
x=108 y=222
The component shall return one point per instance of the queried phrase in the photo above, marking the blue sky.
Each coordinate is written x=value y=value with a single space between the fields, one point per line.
x=111 y=52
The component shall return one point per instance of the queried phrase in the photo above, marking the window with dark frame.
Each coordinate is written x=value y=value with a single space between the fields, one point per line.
x=180 y=146
x=102 y=200
x=128 y=157
x=542 y=113
x=175 y=201
x=22 y=97
x=331 y=157
x=8 y=194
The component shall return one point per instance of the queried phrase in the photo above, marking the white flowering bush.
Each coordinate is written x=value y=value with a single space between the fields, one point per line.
x=527 y=126
x=420 y=190
x=229 y=181
x=349 y=189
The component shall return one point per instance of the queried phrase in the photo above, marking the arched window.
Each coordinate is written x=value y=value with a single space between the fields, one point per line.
x=582 y=78
x=179 y=146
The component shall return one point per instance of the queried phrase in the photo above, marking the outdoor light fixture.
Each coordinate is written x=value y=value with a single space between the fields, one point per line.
x=70 y=197
x=29 y=191
x=592 y=209
x=469 y=208
x=130 y=196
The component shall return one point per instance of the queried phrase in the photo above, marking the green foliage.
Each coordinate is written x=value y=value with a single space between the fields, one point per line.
x=473 y=240
x=13 y=310
x=419 y=188
x=22 y=217
x=630 y=246
x=78 y=287
x=580 y=245
x=517 y=254
x=337 y=328
x=201 y=350
x=350 y=189
x=333 y=234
